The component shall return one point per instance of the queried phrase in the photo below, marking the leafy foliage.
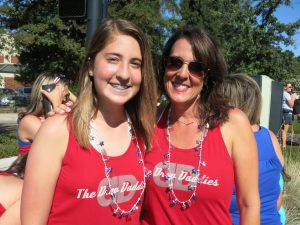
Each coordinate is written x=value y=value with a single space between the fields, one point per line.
x=45 y=42
x=147 y=15
x=249 y=32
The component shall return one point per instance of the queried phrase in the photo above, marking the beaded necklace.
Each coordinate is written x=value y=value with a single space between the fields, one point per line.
x=99 y=146
x=196 y=171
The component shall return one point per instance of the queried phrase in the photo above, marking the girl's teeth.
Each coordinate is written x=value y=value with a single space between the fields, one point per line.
x=120 y=87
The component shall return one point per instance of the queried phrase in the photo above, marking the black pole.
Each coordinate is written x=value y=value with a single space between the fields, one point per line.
x=96 y=12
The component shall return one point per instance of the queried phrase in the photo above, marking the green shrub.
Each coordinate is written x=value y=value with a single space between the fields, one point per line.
x=8 y=145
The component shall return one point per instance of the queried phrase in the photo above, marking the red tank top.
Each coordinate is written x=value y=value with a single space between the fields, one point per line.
x=2 y=209
x=80 y=198
x=214 y=192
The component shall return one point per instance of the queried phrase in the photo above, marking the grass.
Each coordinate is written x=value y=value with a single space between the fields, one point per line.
x=295 y=127
x=8 y=144
x=291 y=195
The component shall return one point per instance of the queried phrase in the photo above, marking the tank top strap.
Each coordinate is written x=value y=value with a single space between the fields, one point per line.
x=72 y=145
x=264 y=142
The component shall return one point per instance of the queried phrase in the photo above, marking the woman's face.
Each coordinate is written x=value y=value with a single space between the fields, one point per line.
x=62 y=89
x=183 y=86
x=117 y=71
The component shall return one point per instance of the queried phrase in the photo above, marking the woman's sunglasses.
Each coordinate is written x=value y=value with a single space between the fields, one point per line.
x=173 y=63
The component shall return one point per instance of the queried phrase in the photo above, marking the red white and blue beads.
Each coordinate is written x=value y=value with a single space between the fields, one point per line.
x=100 y=147
x=196 y=171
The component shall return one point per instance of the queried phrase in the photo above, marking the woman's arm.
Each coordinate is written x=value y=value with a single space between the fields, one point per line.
x=291 y=101
x=277 y=147
x=281 y=159
x=28 y=127
x=239 y=138
x=42 y=170
x=279 y=200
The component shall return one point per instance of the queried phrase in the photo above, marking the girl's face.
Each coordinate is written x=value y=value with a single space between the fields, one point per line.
x=183 y=83
x=117 y=71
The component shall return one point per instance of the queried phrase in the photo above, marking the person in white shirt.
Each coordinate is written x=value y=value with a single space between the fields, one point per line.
x=287 y=111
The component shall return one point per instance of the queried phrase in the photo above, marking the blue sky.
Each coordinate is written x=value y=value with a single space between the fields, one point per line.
x=287 y=14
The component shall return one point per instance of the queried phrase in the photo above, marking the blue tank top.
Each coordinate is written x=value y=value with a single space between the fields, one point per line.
x=269 y=173
x=24 y=146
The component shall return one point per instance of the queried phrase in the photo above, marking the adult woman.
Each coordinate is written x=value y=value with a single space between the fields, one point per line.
x=186 y=153
x=87 y=183
x=31 y=120
x=244 y=93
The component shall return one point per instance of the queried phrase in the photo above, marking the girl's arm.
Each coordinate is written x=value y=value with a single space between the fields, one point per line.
x=42 y=170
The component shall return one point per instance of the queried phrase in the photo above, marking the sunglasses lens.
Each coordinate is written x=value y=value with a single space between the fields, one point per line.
x=196 y=67
x=173 y=63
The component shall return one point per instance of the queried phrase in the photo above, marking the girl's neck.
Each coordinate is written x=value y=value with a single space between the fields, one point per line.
x=113 y=117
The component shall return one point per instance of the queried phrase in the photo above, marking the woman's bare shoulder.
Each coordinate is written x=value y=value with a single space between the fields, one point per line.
x=28 y=119
x=236 y=119
x=236 y=115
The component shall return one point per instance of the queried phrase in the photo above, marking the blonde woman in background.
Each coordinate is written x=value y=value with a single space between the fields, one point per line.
x=31 y=120
x=244 y=93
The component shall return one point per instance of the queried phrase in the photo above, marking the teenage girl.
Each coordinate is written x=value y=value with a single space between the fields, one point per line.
x=88 y=168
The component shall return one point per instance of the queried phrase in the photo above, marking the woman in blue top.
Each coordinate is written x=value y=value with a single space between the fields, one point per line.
x=244 y=93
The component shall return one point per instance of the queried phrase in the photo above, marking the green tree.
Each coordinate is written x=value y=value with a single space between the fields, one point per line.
x=146 y=14
x=44 y=41
x=295 y=78
x=249 y=33
x=47 y=43
x=248 y=30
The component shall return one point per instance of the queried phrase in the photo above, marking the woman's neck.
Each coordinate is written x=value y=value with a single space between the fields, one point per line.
x=184 y=113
